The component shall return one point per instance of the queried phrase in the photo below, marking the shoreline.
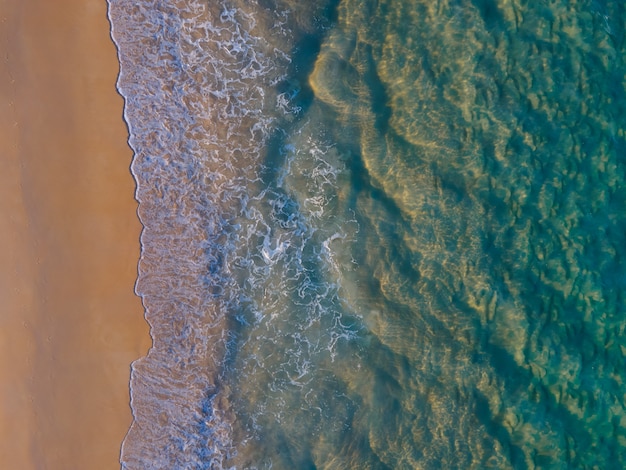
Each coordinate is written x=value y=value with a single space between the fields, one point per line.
x=72 y=324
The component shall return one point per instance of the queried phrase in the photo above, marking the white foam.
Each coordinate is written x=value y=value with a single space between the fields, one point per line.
x=221 y=241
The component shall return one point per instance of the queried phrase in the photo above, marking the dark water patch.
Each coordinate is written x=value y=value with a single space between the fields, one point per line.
x=490 y=13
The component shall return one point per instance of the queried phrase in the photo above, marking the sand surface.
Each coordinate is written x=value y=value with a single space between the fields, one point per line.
x=69 y=322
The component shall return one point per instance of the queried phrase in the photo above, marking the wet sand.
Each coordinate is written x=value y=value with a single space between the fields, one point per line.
x=70 y=323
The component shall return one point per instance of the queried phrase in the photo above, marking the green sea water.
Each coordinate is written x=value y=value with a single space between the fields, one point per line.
x=379 y=234
x=477 y=150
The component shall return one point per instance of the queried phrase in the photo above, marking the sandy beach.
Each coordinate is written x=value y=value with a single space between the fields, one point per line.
x=70 y=322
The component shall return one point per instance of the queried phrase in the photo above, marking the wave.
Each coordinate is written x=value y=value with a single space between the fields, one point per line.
x=206 y=89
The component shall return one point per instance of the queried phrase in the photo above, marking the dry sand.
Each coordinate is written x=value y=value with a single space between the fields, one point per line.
x=69 y=322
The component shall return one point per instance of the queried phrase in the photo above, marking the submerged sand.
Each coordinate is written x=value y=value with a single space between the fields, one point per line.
x=69 y=322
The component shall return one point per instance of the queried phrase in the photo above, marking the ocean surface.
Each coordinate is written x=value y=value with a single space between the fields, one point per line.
x=378 y=234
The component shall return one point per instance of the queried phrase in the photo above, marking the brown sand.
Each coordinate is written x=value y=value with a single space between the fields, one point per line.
x=69 y=322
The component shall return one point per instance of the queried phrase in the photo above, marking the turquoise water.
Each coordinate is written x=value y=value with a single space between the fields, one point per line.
x=378 y=234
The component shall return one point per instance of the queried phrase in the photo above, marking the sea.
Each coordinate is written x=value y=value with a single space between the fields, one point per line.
x=378 y=234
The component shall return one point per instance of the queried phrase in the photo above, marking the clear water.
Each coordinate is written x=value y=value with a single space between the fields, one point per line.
x=378 y=233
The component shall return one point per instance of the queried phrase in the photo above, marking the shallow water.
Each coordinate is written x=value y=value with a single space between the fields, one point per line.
x=378 y=234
